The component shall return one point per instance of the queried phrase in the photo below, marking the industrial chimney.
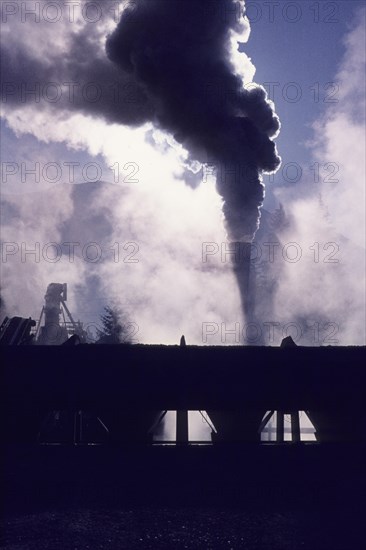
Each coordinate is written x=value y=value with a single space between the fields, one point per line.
x=241 y=268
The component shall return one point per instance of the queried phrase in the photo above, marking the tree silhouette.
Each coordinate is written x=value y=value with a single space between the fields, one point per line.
x=115 y=327
x=3 y=310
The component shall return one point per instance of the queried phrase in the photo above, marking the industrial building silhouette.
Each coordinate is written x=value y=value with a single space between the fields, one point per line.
x=82 y=421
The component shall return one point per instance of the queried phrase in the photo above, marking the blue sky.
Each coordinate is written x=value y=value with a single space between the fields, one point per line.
x=308 y=52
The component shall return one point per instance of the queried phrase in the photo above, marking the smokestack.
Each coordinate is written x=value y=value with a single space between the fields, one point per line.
x=241 y=268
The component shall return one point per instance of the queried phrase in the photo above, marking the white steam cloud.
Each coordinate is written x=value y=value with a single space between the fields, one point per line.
x=326 y=287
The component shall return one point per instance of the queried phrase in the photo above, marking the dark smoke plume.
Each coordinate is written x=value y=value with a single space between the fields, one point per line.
x=179 y=52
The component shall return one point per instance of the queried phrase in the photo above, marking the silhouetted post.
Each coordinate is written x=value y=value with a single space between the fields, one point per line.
x=280 y=426
x=182 y=416
x=182 y=427
x=295 y=426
